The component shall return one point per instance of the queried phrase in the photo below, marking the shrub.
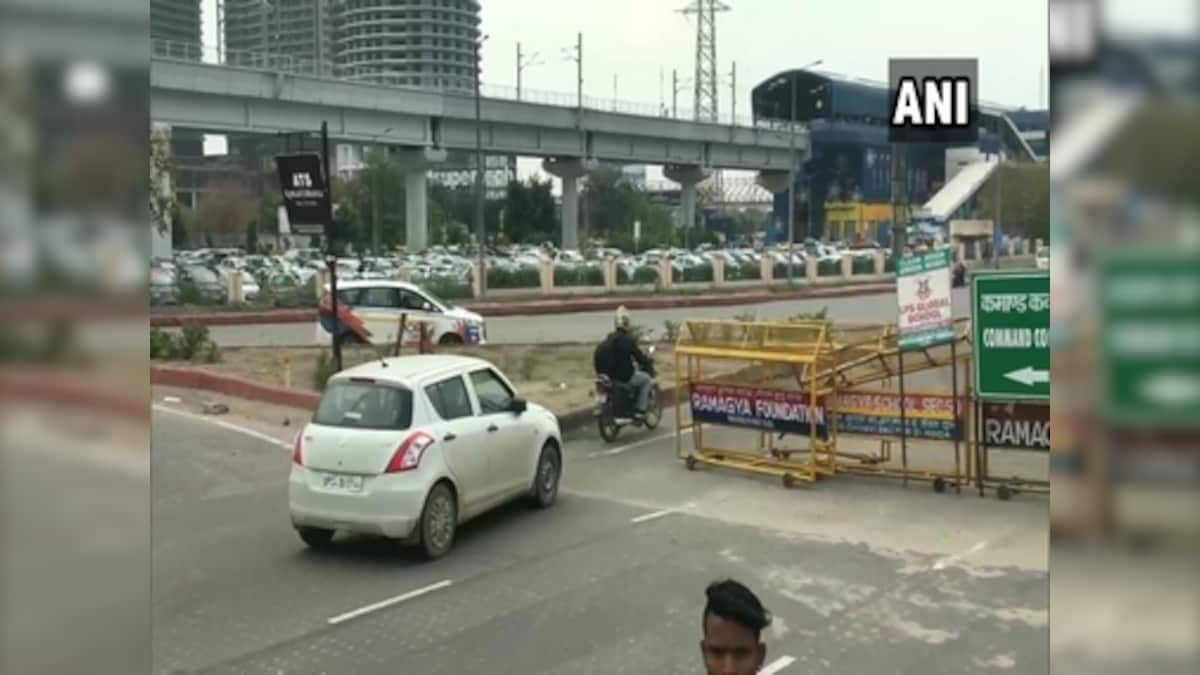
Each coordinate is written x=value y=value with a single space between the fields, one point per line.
x=829 y=268
x=189 y=294
x=743 y=271
x=646 y=275
x=745 y=317
x=578 y=276
x=671 y=330
x=810 y=316
x=697 y=274
x=889 y=264
x=864 y=265
x=781 y=270
x=162 y=344
x=448 y=288
x=193 y=341
x=522 y=277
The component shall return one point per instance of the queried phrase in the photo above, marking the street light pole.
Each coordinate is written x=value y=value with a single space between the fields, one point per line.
x=791 y=202
x=479 y=229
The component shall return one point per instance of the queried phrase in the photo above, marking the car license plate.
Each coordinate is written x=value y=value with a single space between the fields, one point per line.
x=337 y=482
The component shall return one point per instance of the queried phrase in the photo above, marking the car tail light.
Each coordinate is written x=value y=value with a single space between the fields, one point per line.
x=298 y=450
x=408 y=456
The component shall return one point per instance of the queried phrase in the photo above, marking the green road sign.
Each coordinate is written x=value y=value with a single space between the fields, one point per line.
x=1010 y=314
x=1150 y=338
x=924 y=296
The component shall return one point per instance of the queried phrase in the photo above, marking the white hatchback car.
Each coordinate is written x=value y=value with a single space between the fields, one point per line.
x=410 y=447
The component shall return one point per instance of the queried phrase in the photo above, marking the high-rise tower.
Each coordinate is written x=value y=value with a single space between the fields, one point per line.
x=417 y=43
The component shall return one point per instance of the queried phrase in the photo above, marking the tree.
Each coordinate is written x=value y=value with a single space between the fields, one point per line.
x=181 y=226
x=163 y=203
x=529 y=211
x=225 y=210
x=1025 y=200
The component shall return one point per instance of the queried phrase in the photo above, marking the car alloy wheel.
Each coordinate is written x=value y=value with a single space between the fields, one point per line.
x=438 y=521
x=546 y=482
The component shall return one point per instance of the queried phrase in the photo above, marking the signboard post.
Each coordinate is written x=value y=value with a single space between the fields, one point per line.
x=1010 y=313
x=304 y=181
x=926 y=317
x=926 y=304
x=1150 y=344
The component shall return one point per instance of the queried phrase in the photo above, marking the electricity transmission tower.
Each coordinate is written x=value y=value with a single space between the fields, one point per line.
x=706 y=76
x=705 y=80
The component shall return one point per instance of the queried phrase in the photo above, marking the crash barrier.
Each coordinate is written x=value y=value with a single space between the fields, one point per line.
x=810 y=382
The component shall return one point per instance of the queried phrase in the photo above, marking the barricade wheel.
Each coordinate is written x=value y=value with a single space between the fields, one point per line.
x=788 y=480
x=939 y=485
x=1004 y=493
x=691 y=463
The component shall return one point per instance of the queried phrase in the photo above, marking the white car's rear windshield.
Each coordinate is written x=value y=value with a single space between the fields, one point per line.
x=364 y=404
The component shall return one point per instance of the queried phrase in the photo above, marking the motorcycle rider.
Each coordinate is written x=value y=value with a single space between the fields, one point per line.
x=616 y=356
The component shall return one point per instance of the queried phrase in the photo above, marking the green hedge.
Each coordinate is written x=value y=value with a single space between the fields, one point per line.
x=523 y=277
x=743 y=271
x=889 y=264
x=698 y=274
x=864 y=265
x=829 y=268
x=781 y=270
x=578 y=276
x=642 y=276
x=448 y=288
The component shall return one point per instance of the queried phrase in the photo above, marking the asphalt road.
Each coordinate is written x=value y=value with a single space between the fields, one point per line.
x=591 y=326
x=74 y=493
x=862 y=576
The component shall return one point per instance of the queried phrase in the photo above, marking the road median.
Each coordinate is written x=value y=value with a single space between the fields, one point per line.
x=565 y=305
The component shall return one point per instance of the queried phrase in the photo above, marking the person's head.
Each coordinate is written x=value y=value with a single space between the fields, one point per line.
x=621 y=320
x=733 y=623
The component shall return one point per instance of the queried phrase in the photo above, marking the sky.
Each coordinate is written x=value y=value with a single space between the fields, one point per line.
x=641 y=41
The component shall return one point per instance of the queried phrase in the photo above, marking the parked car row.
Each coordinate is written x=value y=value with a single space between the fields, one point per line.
x=207 y=273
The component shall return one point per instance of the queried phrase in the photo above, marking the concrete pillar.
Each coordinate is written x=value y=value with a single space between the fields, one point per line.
x=810 y=269
x=477 y=278
x=880 y=263
x=766 y=267
x=718 y=270
x=666 y=276
x=322 y=281
x=687 y=176
x=569 y=170
x=610 y=273
x=960 y=252
x=235 y=294
x=847 y=266
x=546 y=275
x=416 y=162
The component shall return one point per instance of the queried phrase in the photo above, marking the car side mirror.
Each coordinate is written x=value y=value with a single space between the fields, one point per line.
x=518 y=406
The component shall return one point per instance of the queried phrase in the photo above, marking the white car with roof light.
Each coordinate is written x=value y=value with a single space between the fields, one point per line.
x=409 y=448
x=370 y=312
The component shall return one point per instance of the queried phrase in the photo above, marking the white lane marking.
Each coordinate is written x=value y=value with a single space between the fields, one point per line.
x=777 y=665
x=637 y=444
x=227 y=425
x=172 y=399
x=389 y=602
x=652 y=516
x=950 y=560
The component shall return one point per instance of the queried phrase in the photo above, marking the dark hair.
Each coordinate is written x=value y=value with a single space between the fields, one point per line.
x=734 y=602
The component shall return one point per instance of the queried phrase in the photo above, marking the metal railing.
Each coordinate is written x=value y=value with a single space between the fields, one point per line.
x=170 y=50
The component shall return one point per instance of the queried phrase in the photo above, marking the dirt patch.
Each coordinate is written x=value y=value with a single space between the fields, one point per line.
x=558 y=376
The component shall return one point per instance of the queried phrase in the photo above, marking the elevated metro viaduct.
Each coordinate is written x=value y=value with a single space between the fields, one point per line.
x=424 y=128
x=847 y=177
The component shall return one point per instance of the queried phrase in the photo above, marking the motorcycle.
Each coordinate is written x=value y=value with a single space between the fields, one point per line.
x=616 y=401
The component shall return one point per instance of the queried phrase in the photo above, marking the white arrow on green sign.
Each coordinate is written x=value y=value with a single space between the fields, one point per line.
x=1010 y=316
x=1029 y=376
